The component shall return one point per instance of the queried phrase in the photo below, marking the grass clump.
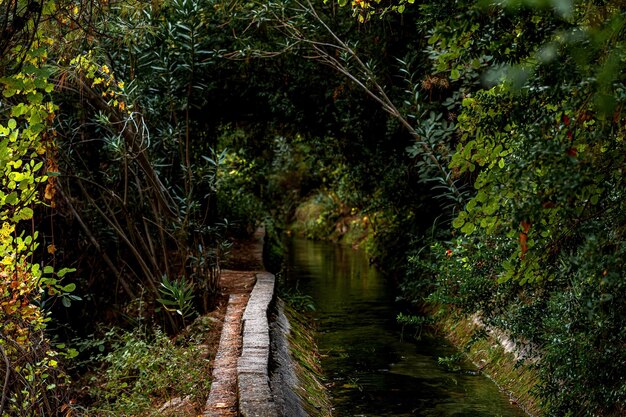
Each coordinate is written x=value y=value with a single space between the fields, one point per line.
x=142 y=371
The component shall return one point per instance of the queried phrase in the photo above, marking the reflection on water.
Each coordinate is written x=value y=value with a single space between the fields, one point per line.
x=370 y=370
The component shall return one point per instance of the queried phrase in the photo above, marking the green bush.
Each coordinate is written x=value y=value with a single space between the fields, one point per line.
x=315 y=217
x=142 y=371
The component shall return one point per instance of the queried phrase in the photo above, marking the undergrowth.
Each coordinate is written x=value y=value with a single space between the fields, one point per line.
x=143 y=369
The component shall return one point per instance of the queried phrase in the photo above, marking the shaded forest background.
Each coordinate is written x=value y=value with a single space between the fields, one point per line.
x=474 y=149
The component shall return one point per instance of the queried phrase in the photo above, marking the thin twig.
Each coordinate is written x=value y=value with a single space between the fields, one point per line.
x=95 y=243
x=5 y=387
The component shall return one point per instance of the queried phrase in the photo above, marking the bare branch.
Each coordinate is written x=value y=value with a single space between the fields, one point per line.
x=5 y=387
x=95 y=243
x=377 y=92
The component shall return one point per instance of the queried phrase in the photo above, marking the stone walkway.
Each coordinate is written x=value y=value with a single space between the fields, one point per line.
x=223 y=398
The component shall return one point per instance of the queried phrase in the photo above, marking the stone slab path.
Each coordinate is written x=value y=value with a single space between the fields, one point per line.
x=222 y=401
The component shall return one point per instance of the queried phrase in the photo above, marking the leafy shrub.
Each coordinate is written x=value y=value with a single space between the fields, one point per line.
x=412 y=322
x=143 y=370
x=236 y=200
x=315 y=217
x=177 y=296
x=451 y=363
x=31 y=379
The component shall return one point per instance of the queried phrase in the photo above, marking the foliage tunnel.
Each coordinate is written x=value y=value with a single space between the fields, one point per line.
x=476 y=147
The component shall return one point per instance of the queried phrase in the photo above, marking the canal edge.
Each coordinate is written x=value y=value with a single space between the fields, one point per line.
x=240 y=384
x=494 y=356
x=265 y=364
x=253 y=382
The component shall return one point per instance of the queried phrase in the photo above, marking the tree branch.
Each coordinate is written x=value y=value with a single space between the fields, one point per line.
x=378 y=93
x=95 y=243
x=5 y=387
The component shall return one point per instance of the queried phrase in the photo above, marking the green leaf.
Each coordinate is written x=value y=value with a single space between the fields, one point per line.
x=64 y=271
x=433 y=39
x=167 y=302
x=459 y=220
x=71 y=353
x=458 y=223
x=468 y=228
x=12 y=198
x=19 y=109
x=26 y=213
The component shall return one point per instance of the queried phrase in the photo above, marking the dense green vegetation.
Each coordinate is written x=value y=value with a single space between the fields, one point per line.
x=475 y=149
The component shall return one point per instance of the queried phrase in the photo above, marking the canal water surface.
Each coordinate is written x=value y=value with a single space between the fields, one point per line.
x=371 y=371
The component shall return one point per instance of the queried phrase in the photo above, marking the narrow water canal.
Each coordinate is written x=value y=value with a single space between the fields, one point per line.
x=372 y=372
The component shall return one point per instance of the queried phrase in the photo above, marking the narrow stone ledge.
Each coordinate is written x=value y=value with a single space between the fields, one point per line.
x=261 y=341
x=255 y=398
x=257 y=409
x=252 y=365
x=253 y=352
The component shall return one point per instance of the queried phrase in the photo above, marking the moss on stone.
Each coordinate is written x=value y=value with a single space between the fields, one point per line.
x=516 y=377
x=303 y=348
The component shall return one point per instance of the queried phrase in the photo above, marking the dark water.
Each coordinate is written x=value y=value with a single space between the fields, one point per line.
x=372 y=372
